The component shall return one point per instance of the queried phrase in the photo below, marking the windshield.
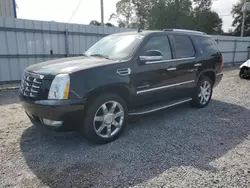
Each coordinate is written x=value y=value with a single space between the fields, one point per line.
x=115 y=46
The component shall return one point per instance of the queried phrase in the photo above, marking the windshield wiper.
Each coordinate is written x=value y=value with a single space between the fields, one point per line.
x=100 y=55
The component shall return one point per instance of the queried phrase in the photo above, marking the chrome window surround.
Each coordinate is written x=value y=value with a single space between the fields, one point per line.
x=170 y=60
x=151 y=58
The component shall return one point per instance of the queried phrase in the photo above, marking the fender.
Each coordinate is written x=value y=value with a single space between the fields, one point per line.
x=246 y=64
x=121 y=89
x=96 y=79
x=204 y=72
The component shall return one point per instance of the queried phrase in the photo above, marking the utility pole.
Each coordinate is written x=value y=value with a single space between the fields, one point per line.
x=243 y=24
x=245 y=8
x=102 y=12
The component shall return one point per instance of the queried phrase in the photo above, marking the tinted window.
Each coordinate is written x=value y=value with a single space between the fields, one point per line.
x=207 y=46
x=160 y=43
x=183 y=46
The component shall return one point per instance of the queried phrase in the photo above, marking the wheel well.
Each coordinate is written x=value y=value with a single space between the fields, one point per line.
x=245 y=67
x=122 y=91
x=209 y=74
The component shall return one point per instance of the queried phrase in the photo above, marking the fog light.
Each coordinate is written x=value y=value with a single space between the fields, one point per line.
x=52 y=123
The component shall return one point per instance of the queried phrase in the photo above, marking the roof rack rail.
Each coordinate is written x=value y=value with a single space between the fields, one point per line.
x=185 y=30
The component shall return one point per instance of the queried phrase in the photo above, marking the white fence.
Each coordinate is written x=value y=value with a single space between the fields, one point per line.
x=234 y=49
x=26 y=42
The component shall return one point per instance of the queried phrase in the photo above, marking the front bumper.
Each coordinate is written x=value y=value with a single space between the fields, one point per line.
x=66 y=111
x=218 y=79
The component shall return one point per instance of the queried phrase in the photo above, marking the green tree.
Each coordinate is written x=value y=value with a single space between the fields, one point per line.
x=205 y=19
x=143 y=12
x=237 y=22
x=109 y=24
x=125 y=13
x=171 y=14
x=160 y=14
x=208 y=21
x=95 y=23
x=203 y=4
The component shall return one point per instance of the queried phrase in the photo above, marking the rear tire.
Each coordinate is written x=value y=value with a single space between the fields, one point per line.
x=105 y=118
x=203 y=92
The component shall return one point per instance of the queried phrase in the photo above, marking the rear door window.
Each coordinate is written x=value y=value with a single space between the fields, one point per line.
x=207 y=45
x=184 y=47
x=160 y=43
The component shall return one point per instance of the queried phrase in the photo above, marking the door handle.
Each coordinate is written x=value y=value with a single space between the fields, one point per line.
x=124 y=72
x=171 y=69
x=197 y=65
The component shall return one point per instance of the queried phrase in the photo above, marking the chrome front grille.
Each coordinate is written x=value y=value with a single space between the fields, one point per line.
x=30 y=84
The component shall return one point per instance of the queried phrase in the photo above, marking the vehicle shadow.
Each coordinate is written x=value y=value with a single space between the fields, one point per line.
x=180 y=136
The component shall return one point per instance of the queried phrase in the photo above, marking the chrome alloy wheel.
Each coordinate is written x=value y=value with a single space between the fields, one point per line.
x=205 y=92
x=108 y=119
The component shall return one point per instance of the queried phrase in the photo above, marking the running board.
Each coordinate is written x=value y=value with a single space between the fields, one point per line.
x=154 y=108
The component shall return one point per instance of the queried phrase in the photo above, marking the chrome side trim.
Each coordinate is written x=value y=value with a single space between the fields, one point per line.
x=160 y=108
x=170 y=60
x=164 y=87
x=198 y=65
x=172 y=69
x=219 y=74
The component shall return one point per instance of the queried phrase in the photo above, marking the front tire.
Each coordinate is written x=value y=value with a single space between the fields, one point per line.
x=242 y=73
x=105 y=118
x=203 y=92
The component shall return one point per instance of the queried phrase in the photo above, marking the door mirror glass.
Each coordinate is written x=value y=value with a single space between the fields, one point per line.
x=152 y=55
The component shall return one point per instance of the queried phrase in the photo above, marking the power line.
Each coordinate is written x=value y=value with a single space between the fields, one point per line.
x=75 y=11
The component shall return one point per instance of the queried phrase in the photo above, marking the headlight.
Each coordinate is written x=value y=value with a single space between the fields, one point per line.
x=59 y=88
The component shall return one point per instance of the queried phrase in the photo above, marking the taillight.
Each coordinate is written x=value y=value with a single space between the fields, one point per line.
x=221 y=63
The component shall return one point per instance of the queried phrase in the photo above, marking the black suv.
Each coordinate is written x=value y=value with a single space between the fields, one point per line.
x=122 y=75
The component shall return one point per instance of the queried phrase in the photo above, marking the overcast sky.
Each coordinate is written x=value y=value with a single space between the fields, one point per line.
x=61 y=10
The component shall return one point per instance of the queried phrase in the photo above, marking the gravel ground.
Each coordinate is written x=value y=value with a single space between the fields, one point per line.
x=177 y=147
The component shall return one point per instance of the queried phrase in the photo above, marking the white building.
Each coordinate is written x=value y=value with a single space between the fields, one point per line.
x=8 y=8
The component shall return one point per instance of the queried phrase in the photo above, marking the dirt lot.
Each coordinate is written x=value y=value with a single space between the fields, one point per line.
x=177 y=147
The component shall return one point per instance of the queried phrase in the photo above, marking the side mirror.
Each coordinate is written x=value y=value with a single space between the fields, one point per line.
x=151 y=55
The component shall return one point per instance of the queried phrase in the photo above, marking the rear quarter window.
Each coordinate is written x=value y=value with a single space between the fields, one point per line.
x=207 y=45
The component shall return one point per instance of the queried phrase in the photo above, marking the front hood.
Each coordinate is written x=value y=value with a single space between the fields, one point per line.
x=246 y=64
x=68 y=65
